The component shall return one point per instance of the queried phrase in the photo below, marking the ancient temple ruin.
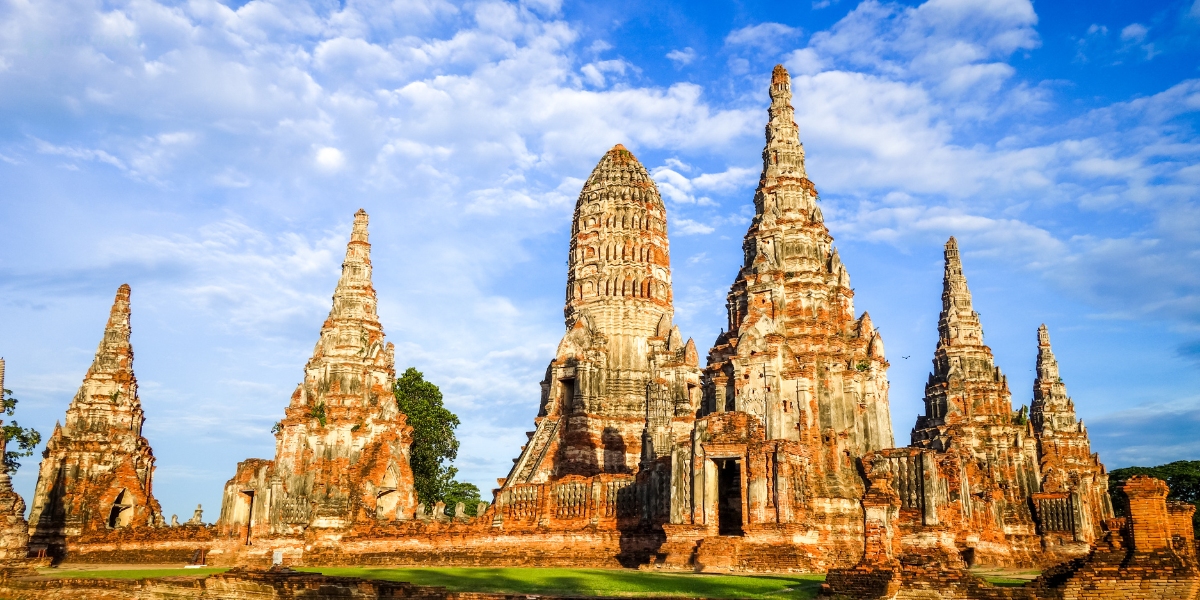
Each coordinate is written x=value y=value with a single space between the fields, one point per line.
x=97 y=470
x=794 y=393
x=777 y=455
x=1150 y=554
x=341 y=449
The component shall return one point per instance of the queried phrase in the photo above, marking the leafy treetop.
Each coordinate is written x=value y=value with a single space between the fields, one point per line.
x=26 y=438
x=434 y=446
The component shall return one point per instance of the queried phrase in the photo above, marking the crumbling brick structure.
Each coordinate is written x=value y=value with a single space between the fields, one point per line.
x=97 y=470
x=794 y=393
x=341 y=450
x=1074 y=501
x=1148 y=555
x=982 y=482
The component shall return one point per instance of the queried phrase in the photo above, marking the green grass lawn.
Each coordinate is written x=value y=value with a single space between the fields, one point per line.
x=577 y=582
x=1006 y=581
x=597 y=582
x=130 y=574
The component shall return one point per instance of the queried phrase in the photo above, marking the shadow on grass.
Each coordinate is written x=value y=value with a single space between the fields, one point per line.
x=596 y=582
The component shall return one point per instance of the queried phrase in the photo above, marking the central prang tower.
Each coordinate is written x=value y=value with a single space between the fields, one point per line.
x=623 y=382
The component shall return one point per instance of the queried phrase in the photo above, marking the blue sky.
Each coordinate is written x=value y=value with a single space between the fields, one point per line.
x=212 y=154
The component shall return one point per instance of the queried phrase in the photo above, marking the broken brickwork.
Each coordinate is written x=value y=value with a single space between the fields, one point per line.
x=794 y=392
x=97 y=470
x=341 y=450
x=1145 y=556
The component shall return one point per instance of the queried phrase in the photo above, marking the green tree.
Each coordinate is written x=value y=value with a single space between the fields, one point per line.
x=434 y=446
x=1183 y=477
x=26 y=438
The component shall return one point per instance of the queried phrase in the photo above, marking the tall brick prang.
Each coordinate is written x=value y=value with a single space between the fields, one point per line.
x=795 y=390
x=341 y=450
x=97 y=470
x=1072 y=476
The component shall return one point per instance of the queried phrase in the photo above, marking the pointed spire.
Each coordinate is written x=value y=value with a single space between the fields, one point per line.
x=1047 y=366
x=783 y=155
x=958 y=323
x=114 y=356
x=351 y=358
x=1052 y=409
x=354 y=303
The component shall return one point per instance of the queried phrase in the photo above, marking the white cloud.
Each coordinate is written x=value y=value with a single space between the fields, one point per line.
x=690 y=227
x=769 y=37
x=1134 y=32
x=679 y=188
x=330 y=159
x=682 y=57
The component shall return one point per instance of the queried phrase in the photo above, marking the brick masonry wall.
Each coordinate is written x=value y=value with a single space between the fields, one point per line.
x=1134 y=561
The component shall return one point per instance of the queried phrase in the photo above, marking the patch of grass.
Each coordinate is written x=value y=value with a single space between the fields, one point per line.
x=597 y=582
x=1006 y=581
x=129 y=574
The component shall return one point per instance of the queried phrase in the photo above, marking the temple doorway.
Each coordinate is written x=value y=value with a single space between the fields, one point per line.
x=729 y=496
x=249 y=502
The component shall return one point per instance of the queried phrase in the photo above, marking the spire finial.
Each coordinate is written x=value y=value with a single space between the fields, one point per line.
x=959 y=323
x=359 y=233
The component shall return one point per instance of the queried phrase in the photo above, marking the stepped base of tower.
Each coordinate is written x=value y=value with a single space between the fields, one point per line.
x=762 y=548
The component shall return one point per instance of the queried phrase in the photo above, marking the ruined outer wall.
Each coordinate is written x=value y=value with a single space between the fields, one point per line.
x=1142 y=557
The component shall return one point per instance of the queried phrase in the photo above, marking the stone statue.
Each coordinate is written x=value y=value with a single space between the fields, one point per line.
x=197 y=517
x=174 y=520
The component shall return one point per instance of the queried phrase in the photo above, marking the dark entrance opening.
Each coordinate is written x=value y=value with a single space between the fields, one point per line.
x=568 y=395
x=249 y=514
x=729 y=496
x=120 y=514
